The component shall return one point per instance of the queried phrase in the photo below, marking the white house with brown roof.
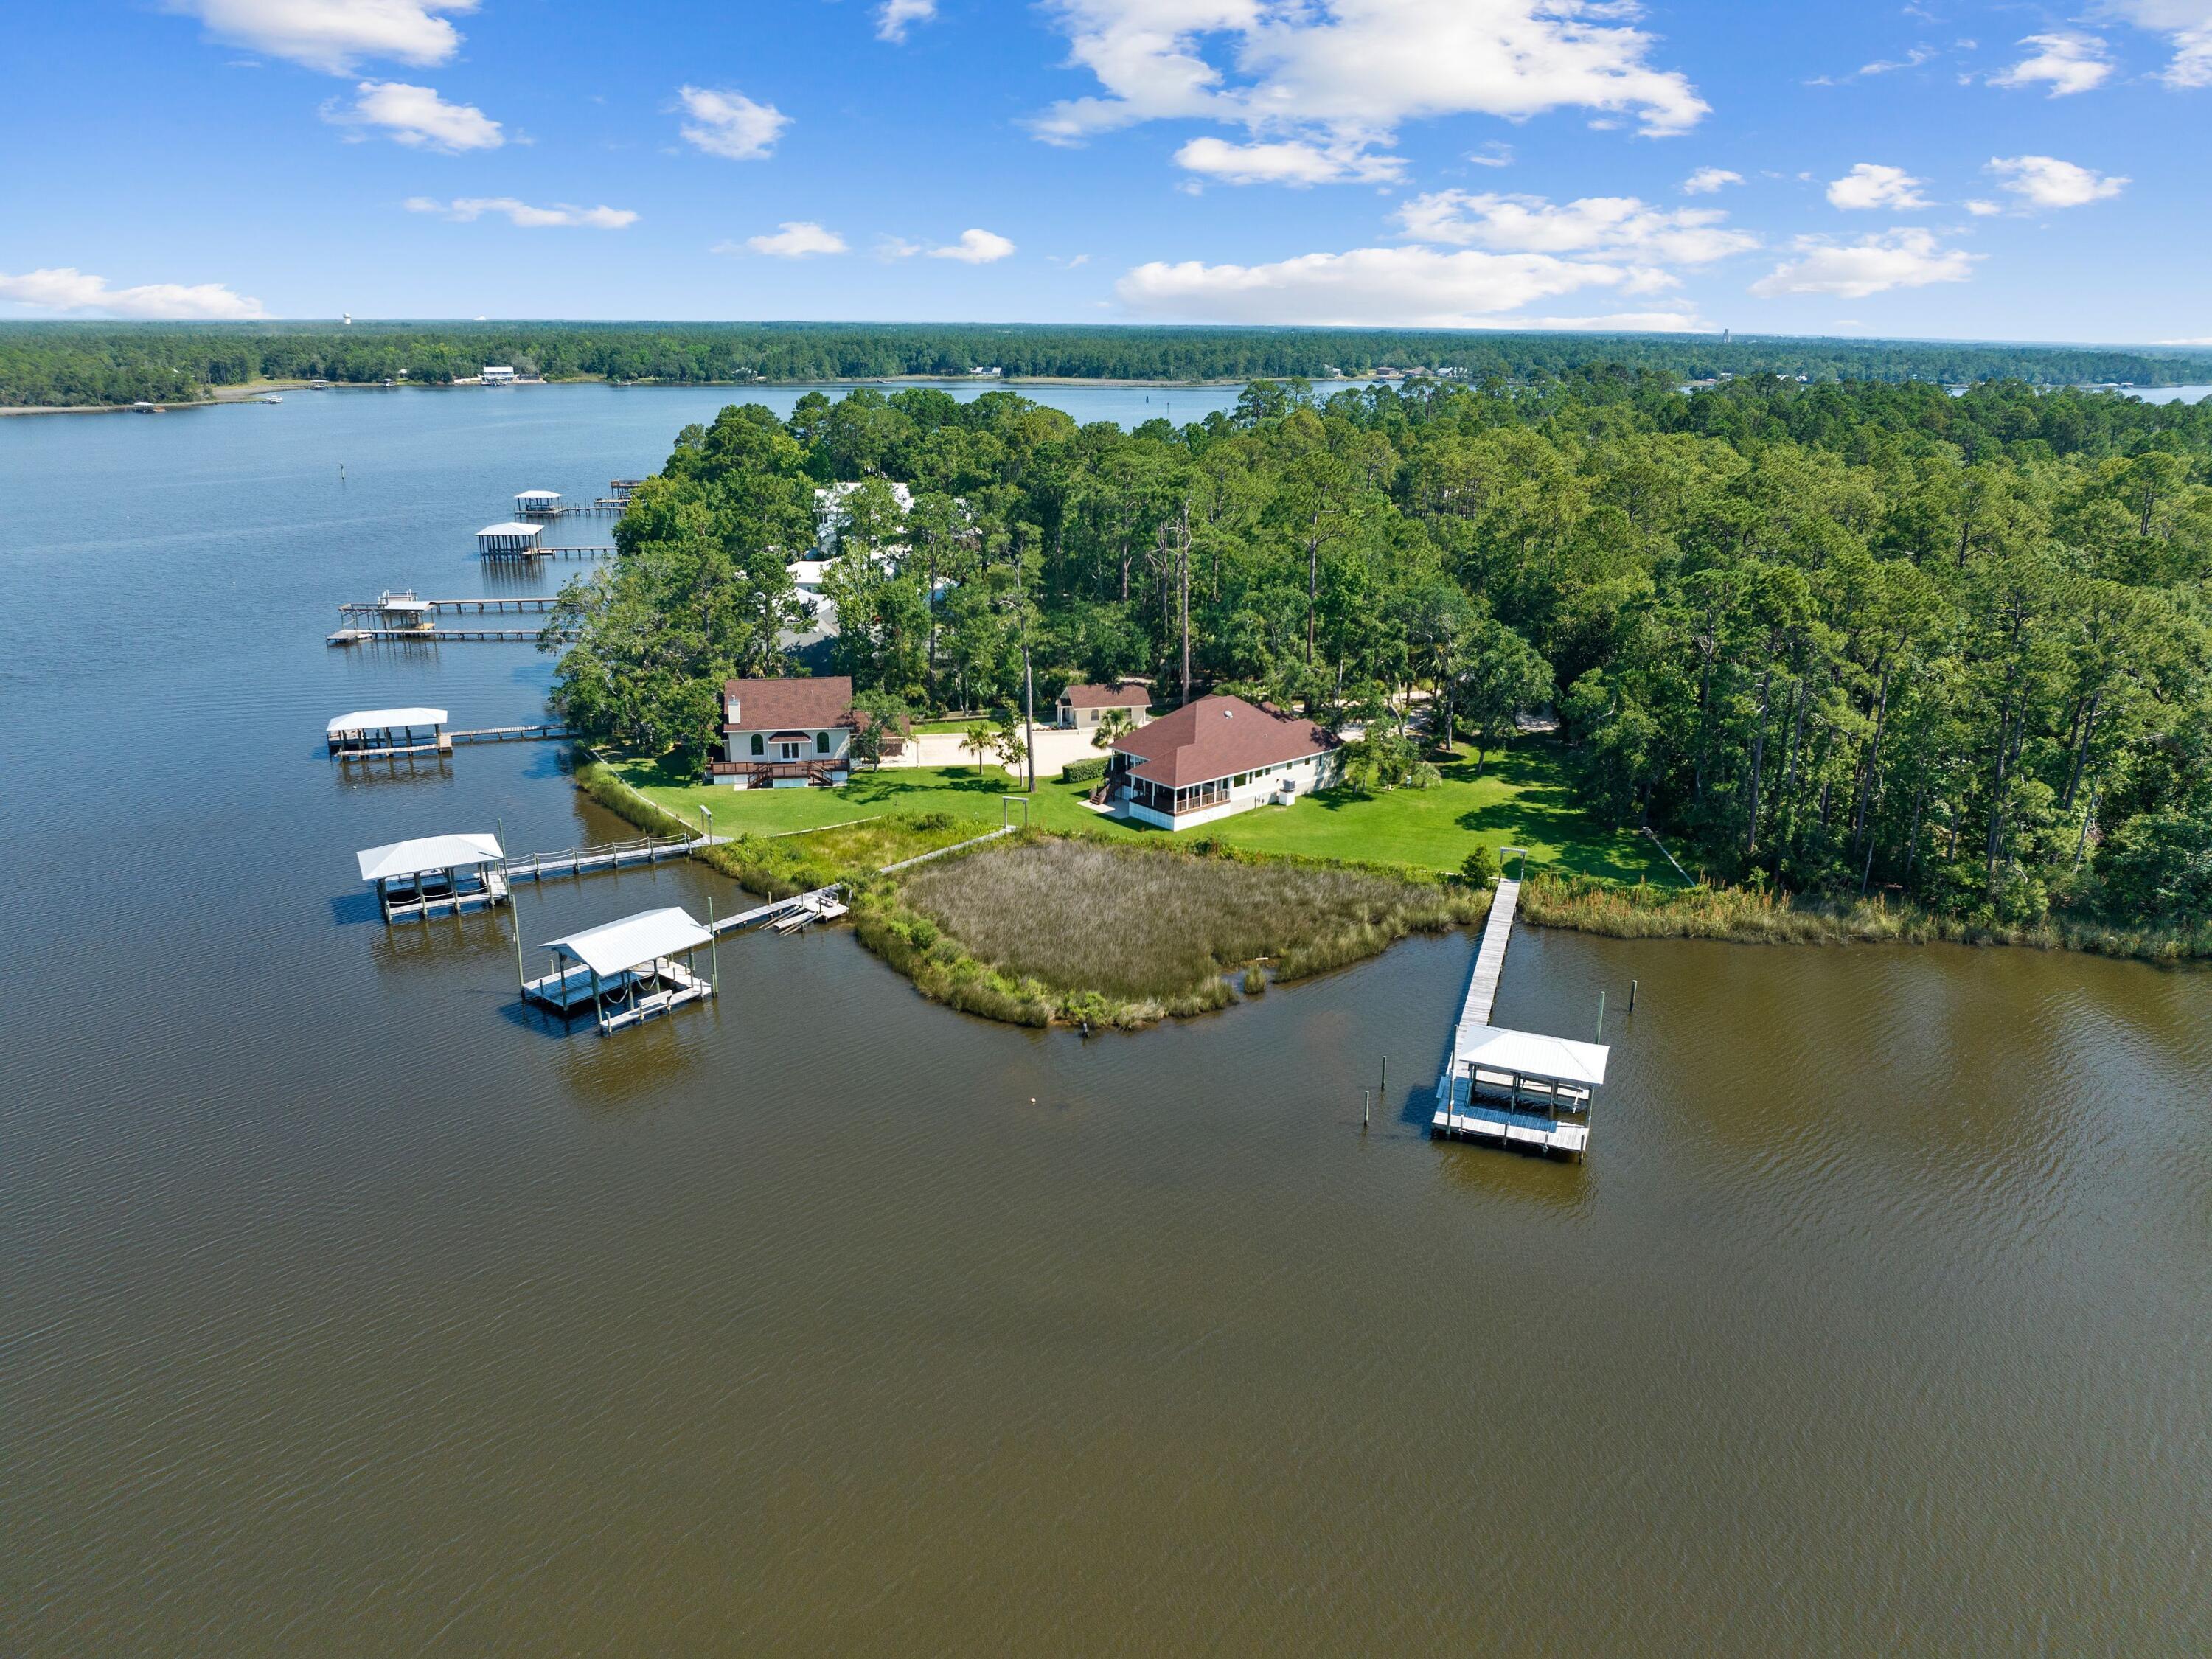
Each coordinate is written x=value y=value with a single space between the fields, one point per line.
x=1082 y=706
x=785 y=733
x=1215 y=756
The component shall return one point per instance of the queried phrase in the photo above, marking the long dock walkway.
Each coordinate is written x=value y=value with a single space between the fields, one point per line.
x=607 y=855
x=444 y=635
x=1482 y=984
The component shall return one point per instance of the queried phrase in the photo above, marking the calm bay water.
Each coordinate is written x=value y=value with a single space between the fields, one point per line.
x=348 y=1309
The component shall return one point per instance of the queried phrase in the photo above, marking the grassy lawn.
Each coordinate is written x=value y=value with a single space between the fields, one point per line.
x=1522 y=800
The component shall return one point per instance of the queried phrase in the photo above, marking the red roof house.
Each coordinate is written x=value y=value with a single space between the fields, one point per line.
x=1214 y=756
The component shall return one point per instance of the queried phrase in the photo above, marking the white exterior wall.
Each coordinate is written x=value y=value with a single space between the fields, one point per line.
x=1314 y=772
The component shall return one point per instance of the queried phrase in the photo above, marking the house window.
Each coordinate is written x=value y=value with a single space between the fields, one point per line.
x=1244 y=778
x=760 y=745
x=821 y=743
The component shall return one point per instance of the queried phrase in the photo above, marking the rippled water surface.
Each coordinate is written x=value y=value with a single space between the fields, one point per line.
x=348 y=1309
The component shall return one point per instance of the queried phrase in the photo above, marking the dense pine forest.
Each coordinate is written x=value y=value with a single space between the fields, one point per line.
x=78 y=364
x=1838 y=638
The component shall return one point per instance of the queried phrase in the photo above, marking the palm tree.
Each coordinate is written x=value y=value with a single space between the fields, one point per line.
x=979 y=740
x=1112 y=725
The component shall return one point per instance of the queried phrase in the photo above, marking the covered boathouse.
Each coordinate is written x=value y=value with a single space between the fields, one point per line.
x=624 y=972
x=377 y=733
x=529 y=501
x=510 y=541
x=416 y=879
x=1517 y=1088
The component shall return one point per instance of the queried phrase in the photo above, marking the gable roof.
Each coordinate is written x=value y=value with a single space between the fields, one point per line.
x=1215 y=737
x=612 y=946
x=426 y=853
x=781 y=704
x=1125 y=695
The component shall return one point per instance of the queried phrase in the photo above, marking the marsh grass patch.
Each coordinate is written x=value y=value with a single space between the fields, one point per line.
x=1146 y=924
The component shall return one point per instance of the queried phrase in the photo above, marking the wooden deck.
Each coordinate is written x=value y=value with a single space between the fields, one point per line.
x=494 y=892
x=800 y=909
x=629 y=998
x=527 y=553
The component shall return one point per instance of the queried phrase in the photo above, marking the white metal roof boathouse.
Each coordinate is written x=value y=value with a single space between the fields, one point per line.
x=1519 y=1089
x=377 y=733
x=624 y=972
x=509 y=541
x=416 y=879
x=536 y=500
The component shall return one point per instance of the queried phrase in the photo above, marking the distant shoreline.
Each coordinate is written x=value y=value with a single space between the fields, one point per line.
x=246 y=394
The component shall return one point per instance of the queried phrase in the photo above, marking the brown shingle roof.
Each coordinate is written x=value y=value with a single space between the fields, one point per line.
x=766 y=705
x=1216 y=738
x=1107 y=696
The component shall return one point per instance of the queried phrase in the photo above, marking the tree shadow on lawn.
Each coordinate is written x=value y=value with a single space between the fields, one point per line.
x=1541 y=808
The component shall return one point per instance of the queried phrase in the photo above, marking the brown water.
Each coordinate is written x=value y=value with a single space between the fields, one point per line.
x=350 y=1309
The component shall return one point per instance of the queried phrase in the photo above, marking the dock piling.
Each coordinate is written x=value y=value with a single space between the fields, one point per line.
x=1600 y=1037
x=1632 y=996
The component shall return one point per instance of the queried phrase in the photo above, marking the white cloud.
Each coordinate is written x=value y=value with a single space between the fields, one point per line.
x=794 y=239
x=974 y=247
x=2064 y=62
x=66 y=289
x=464 y=209
x=1350 y=72
x=1902 y=259
x=418 y=117
x=1292 y=163
x=1871 y=185
x=2045 y=181
x=2200 y=340
x=1493 y=154
x=895 y=18
x=2187 y=24
x=1707 y=180
x=1410 y=286
x=1912 y=59
x=1593 y=224
x=731 y=124
x=334 y=35
x=1982 y=210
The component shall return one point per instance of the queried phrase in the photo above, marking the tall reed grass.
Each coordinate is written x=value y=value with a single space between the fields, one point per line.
x=1744 y=916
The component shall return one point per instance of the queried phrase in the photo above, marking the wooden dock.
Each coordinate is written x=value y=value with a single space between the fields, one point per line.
x=1482 y=984
x=436 y=636
x=604 y=504
x=1512 y=1088
x=546 y=732
x=528 y=604
x=524 y=555
x=789 y=915
x=583 y=861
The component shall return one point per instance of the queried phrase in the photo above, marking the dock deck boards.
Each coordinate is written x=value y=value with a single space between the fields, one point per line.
x=1482 y=984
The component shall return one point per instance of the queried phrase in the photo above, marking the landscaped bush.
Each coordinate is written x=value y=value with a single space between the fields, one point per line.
x=1089 y=769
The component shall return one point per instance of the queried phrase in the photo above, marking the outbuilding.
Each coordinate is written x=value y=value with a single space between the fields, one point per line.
x=536 y=500
x=1082 y=706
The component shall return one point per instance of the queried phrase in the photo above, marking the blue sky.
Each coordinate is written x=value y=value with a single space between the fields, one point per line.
x=1968 y=171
